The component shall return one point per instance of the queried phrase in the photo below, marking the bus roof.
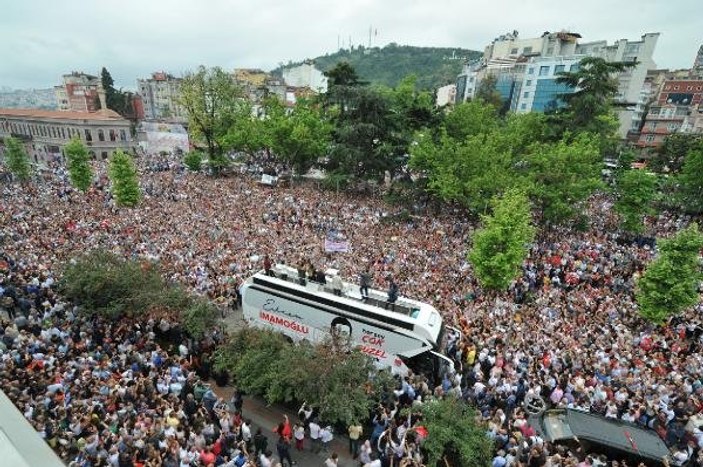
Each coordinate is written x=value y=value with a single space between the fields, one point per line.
x=412 y=312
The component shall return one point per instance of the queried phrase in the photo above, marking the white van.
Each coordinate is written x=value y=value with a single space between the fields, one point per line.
x=409 y=335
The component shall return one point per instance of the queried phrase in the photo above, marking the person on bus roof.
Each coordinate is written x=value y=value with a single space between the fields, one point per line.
x=364 y=283
x=392 y=293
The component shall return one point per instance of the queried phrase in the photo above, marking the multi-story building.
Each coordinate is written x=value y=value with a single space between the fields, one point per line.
x=305 y=76
x=526 y=70
x=79 y=92
x=160 y=97
x=446 y=95
x=46 y=132
x=250 y=77
x=697 y=68
x=676 y=110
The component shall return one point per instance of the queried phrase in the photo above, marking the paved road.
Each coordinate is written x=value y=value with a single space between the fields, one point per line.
x=268 y=417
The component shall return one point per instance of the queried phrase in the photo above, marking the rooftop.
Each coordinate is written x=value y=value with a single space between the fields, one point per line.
x=103 y=115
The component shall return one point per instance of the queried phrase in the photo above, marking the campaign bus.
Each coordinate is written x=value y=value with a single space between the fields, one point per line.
x=409 y=334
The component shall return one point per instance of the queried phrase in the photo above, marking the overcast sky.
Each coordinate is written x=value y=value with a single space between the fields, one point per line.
x=42 y=39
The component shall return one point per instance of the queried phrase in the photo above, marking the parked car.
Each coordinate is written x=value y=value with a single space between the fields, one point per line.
x=596 y=434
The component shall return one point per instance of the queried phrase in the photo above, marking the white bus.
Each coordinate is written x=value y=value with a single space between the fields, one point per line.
x=411 y=335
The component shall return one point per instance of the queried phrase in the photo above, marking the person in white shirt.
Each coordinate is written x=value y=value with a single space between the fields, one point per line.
x=266 y=459
x=326 y=437
x=315 y=436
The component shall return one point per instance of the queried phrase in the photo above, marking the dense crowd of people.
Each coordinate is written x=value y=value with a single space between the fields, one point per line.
x=567 y=331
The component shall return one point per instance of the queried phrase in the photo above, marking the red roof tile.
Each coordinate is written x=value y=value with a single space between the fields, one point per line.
x=61 y=114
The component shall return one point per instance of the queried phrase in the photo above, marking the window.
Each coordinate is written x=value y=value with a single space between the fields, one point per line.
x=652 y=125
x=513 y=51
x=649 y=138
x=103 y=154
x=531 y=71
x=559 y=69
x=123 y=135
x=550 y=51
x=63 y=133
x=689 y=88
x=92 y=153
x=574 y=67
x=672 y=127
x=523 y=106
x=527 y=50
x=528 y=82
x=113 y=135
x=526 y=94
x=101 y=135
x=543 y=70
x=88 y=136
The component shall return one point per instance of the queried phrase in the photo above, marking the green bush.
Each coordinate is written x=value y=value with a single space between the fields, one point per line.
x=336 y=181
x=455 y=437
x=329 y=376
x=101 y=282
x=193 y=160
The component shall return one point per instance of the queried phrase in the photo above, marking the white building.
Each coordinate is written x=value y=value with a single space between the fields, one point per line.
x=526 y=70
x=160 y=96
x=305 y=76
x=446 y=95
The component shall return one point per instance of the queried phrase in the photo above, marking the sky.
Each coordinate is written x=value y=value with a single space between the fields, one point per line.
x=42 y=39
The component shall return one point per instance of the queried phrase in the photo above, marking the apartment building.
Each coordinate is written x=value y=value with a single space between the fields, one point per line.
x=160 y=97
x=526 y=70
x=78 y=92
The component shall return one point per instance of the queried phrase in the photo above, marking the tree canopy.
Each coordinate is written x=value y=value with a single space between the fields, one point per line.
x=635 y=191
x=17 y=160
x=501 y=245
x=670 y=282
x=213 y=102
x=79 y=170
x=124 y=179
x=455 y=438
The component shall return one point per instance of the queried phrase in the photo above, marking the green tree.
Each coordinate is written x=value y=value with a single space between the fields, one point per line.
x=455 y=437
x=469 y=119
x=501 y=245
x=330 y=376
x=301 y=137
x=563 y=175
x=193 y=160
x=251 y=133
x=670 y=282
x=17 y=160
x=670 y=156
x=101 y=282
x=691 y=181
x=124 y=179
x=470 y=172
x=635 y=192
x=594 y=85
x=114 y=99
x=79 y=169
x=213 y=102
x=488 y=94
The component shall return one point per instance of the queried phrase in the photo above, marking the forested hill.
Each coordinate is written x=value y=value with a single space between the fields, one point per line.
x=433 y=66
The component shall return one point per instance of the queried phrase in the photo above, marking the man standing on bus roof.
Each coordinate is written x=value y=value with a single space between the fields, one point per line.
x=337 y=284
x=364 y=283
x=267 y=266
x=392 y=293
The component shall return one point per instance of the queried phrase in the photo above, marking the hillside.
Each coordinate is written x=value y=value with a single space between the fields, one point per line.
x=434 y=66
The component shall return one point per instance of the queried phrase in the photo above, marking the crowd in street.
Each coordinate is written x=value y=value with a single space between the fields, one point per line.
x=567 y=331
